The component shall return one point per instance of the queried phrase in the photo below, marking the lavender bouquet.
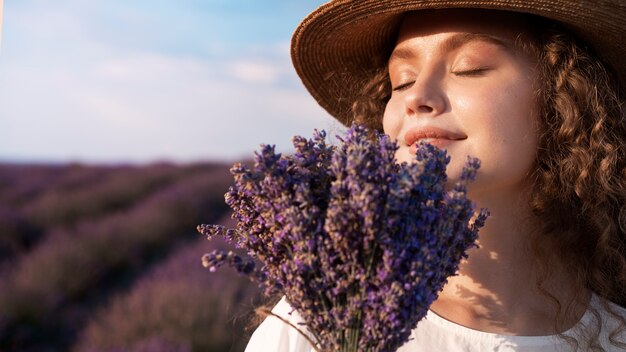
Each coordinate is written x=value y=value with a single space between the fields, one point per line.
x=359 y=245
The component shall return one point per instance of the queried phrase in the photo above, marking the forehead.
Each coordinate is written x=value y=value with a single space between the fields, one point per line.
x=505 y=25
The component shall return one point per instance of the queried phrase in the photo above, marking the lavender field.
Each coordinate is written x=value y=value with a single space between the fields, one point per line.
x=107 y=258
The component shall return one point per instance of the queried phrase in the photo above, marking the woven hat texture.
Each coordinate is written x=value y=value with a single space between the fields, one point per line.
x=342 y=42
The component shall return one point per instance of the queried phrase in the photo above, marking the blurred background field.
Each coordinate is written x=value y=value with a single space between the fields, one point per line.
x=119 y=121
x=107 y=258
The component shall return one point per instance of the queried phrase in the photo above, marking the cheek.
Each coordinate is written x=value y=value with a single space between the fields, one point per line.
x=501 y=114
x=507 y=139
x=392 y=125
x=516 y=117
x=392 y=119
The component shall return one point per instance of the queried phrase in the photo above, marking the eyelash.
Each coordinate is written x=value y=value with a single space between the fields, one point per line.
x=402 y=86
x=466 y=73
x=474 y=72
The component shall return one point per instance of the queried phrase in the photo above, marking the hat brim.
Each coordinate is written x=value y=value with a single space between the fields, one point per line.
x=340 y=44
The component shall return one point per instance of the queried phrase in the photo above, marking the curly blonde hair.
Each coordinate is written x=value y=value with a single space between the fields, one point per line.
x=579 y=182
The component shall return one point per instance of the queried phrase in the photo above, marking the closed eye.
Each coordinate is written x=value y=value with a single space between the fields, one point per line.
x=474 y=72
x=403 y=86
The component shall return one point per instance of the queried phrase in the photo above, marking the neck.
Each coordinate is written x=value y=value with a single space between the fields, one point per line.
x=495 y=290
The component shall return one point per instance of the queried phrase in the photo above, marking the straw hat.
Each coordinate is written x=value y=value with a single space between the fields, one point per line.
x=340 y=43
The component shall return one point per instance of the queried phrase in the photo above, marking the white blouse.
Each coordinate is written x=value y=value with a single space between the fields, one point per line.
x=434 y=333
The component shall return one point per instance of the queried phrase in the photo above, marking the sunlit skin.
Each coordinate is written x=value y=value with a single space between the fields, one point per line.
x=460 y=83
x=458 y=78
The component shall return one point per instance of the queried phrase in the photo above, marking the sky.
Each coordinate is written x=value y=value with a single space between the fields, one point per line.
x=141 y=81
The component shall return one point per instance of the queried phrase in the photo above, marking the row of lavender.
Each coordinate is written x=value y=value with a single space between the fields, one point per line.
x=107 y=259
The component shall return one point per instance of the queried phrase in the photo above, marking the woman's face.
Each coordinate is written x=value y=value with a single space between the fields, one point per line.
x=460 y=83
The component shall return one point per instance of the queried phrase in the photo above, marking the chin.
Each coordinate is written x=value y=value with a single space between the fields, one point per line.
x=403 y=155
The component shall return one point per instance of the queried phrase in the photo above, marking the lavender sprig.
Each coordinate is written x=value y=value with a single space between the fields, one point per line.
x=359 y=244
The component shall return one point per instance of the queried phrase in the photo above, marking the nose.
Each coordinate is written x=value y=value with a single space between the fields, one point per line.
x=425 y=97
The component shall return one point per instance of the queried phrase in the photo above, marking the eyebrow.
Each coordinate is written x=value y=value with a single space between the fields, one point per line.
x=452 y=43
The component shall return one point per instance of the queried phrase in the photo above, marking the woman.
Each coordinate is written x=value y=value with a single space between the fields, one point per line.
x=534 y=90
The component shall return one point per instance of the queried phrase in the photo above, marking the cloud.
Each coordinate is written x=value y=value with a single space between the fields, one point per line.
x=254 y=72
x=149 y=106
x=94 y=100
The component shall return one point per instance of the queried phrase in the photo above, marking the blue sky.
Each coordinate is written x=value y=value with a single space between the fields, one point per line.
x=150 y=80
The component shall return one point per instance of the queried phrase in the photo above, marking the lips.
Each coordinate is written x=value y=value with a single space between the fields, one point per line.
x=436 y=136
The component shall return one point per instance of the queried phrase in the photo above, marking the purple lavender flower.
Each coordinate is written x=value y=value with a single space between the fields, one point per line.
x=359 y=244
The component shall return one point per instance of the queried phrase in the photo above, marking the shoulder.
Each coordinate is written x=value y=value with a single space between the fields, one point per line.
x=612 y=314
x=611 y=319
x=275 y=334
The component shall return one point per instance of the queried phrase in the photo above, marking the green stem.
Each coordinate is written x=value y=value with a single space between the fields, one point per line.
x=357 y=330
x=313 y=344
